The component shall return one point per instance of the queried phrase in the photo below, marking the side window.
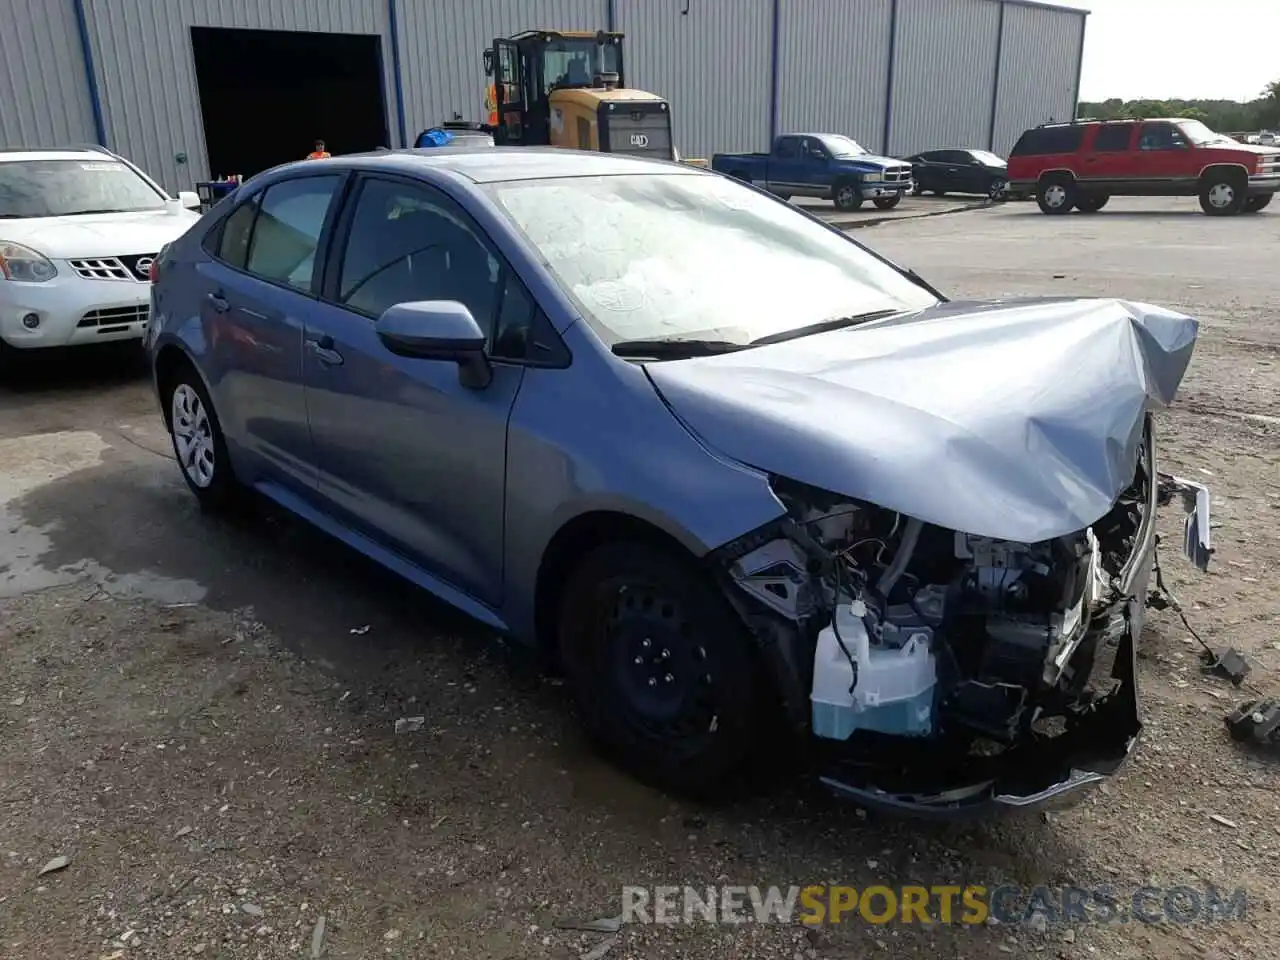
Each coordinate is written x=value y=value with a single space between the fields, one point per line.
x=229 y=242
x=287 y=231
x=409 y=242
x=788 y=148
x=1160 y=136
x=957 y=157
x=1113 y=136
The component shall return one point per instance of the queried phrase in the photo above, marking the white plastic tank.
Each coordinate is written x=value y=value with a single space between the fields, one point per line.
x=885 y=689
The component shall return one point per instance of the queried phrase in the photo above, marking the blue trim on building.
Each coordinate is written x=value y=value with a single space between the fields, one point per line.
x=888 y=90
x=91 y=73
x=393 y=26
x=775 y=68
x=1075 y=102
x=995 y=81
x=610 y=15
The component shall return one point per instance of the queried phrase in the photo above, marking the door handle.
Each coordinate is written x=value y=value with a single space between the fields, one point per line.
x=218 y=301
x=322 y=347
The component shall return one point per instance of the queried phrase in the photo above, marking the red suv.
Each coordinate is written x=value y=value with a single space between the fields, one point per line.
x=1084 y=163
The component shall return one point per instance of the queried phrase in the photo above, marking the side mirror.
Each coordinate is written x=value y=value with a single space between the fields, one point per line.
x=173 y=206
x=189 y=199
x=488 y=62
x=437 y=330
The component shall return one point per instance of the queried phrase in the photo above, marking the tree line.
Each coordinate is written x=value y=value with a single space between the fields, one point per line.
x=1224 y=116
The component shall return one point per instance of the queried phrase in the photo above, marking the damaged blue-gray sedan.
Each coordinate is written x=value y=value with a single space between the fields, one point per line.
x=731 y=468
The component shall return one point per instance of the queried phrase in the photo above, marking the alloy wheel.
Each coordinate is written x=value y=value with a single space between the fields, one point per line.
x=192 y=435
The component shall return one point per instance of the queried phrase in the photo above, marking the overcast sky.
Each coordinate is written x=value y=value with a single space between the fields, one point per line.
x=1188 y=49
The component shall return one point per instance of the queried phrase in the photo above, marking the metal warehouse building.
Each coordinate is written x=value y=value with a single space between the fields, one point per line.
x=178 y=85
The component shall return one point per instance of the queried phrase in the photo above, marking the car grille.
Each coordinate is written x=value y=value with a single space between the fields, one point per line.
x=1269 y=166
x=115 y=318
x=135 y=267
x=897 y=174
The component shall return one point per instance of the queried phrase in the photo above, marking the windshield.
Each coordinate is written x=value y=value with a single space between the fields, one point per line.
x=1200 y=135
x=576 y=62
x=839 y=146
x=654 y=256
x=60 y=188
x=990 y=159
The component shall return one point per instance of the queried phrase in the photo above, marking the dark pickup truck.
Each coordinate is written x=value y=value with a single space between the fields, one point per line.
x=821 y=165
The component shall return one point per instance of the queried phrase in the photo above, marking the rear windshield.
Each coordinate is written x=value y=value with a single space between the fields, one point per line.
x=1046 y=140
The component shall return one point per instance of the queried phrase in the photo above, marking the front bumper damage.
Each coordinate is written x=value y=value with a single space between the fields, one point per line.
x=1094 y=734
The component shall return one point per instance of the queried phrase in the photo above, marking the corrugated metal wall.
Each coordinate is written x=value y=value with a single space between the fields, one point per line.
x=442 y=47
x=44 y=89
x=146 y=69
x=1040 y=57
x=944 y=74
x=833 y=67
x=712 y=63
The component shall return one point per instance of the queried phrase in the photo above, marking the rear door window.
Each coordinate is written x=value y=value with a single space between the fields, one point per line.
x=230 y=242
x=286 y=234
x=1161 y=136
x=788 y=148
x=1113 y=137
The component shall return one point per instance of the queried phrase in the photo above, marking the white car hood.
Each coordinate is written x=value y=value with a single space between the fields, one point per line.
x=98 y=235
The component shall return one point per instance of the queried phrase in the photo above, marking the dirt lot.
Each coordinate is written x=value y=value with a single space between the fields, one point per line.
x=200 y=716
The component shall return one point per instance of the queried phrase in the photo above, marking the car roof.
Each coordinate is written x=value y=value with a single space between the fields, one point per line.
x=54 y=153
x=507 y=163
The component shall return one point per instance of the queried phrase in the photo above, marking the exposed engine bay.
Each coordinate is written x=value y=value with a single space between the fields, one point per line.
x=938 y=661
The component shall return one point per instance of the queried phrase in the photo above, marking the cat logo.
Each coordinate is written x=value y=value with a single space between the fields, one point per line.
x=639 y=140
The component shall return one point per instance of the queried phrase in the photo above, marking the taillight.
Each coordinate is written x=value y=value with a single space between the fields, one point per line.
x=153 y=271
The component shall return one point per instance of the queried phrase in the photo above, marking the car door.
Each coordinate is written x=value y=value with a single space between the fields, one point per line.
x=1164 y=156
x=785 y=173
x=407 y=455
x=817 y=170
x=1108 y=163
x=255 y=293
x=924 y=170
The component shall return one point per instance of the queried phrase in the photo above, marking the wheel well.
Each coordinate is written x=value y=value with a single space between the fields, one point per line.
x=1055 y=175
x=570 y=544
x=168 y=362
x=1234 y=169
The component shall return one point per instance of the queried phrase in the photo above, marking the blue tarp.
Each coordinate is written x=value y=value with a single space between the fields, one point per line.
x=435 y=137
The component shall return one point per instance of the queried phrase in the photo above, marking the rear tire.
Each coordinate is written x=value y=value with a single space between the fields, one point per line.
x=1255 y=204
x=198 y=442
x=663 y=670
x=888 y=203
x=1222 y=194
x=846 y=196
x=1092 y=204
x=1056 y=195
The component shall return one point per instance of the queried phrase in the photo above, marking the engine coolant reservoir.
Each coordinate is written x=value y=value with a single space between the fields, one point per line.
x=892 y=687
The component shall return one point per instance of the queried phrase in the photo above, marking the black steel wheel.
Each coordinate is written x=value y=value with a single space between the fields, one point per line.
x=663 y=670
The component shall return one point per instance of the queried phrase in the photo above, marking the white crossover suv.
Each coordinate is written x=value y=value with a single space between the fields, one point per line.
x=79 y=230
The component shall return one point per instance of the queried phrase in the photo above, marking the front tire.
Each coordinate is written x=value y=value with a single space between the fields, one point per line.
x=1056 y=196
x=663 y=670
x=998 y=189
x=198 y=442
x=887 y=203
x=1222 y=195
x=1255 y=204
x=846 y=196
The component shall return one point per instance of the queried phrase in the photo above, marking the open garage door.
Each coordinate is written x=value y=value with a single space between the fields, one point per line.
x=267 y=95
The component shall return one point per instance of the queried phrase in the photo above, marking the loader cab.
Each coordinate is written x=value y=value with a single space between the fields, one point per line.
x=568 y=89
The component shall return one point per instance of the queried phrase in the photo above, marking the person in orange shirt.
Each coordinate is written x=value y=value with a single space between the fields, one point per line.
x=319 y=153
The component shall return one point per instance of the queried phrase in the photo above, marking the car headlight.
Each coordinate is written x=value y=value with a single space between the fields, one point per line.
x=873 y=176
x=24 y=264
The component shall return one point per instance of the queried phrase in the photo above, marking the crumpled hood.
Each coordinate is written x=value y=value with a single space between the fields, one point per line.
x=99 y=235
x=1017 y=419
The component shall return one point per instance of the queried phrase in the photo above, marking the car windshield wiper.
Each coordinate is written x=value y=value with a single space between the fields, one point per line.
x=673 y=348
x=77 y=213
x=822 y=326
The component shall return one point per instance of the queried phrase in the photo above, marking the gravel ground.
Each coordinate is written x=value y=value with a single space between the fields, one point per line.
x=200 y=716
